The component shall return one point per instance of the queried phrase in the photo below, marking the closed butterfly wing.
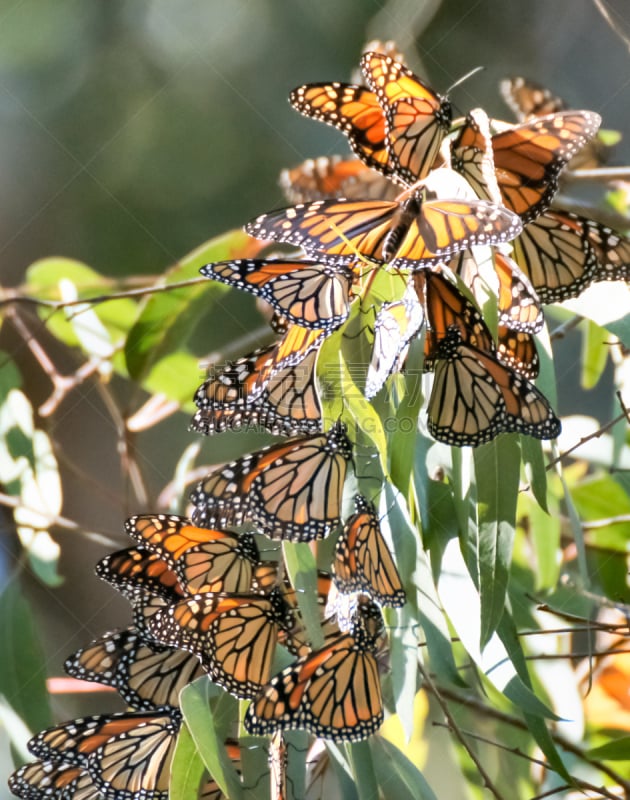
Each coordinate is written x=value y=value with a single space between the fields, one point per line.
x=447 y=308
x=417 y=118
x=562 y=253
x=292 y=491
x=234 y=636
x=363 y=562
x=306 y=293
x=472 y=155
x=518 y=302
x=517 y=350
x=274 y=388
x=136 y=569
x=334 y=693
x=474 y=398
x=352 y=109
x=395 y=325
x=146 y=677
x=41 y=780
x=529 y=157
x=204 y=560
x=127 y=755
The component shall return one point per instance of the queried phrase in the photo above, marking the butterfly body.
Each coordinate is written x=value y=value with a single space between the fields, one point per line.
x=340 y=228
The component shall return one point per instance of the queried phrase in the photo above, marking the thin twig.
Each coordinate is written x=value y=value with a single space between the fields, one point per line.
x=566 y=744
x=432 y=688
x=56 y=520
x=10 y=296
x=595 y=435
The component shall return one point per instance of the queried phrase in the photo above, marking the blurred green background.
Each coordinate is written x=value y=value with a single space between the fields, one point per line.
x=134 y=131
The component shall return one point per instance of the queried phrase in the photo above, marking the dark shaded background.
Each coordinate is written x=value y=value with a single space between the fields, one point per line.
x=133 y=131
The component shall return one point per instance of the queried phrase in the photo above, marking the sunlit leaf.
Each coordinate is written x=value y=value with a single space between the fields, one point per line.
x=167 y=319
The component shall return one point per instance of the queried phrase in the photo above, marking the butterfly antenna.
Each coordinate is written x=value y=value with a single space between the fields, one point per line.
x=464 y=78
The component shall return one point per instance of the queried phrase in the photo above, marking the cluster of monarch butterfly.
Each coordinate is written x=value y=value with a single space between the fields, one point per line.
x=422 y=191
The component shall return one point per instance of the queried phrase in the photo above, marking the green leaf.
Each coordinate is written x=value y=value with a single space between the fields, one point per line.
x=207 y=724
x=497 y=466
x=302 y=570
x=10 y=377
x=187 y=768
x=167 y=319
x=23 y=662
x=535 y=468
x=46 y=279
x=403 y=440
x=396 y=774
x=519 y=691
x=543 y=530
x=42 y=277
x=616 y=750
x=176 y=375
x=499 y=663
x=594 y=353
x=363 y=770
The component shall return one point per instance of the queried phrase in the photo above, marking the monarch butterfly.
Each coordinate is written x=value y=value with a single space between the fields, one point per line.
x=528 y=99
x=446 y=308
x=234 y=636
x=527 y=158
x=291 y=490
x=412 y=233
x=363 y=562
x=307 y=293
x=352 y=109
x=563 y=253
x=519 y=304
x=145 y=676
x=335 y=176
x=474 y=397
x=417 y=119
x=395 y=325
x=50 y=779
x=203 y=559
x=127 y=755
x=333 y=692
x=254 y=391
